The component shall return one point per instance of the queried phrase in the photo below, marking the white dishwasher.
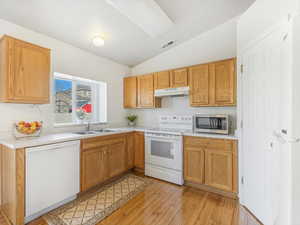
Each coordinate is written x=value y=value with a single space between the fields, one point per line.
x=52 y=177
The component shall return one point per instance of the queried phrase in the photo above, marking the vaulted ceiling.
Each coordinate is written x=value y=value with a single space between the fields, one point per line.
x=77 y=22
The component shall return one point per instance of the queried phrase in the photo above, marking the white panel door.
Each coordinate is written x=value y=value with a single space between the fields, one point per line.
x=261 y=114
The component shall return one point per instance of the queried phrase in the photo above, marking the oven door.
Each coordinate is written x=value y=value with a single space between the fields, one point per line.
x=164 y=152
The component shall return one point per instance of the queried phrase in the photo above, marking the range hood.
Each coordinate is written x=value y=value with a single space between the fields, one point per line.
x=181 y=91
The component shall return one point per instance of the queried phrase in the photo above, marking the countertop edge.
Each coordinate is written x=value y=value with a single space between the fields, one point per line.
x=53 y=138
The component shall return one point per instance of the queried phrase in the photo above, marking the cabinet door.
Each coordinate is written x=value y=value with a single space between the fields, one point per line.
x=219 y=169
x=162 y=80
x=104 y=172
x=130 y=92
x=91 y=167
x=146 y=91
x=199 y=85
x=179 y=78
x=117 y=158
x=130 y=151
x=29 y=81
x=139 y=150
x=223 y=80
x=194 y=165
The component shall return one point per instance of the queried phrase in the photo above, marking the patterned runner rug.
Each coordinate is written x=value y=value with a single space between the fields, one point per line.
x=91 y=208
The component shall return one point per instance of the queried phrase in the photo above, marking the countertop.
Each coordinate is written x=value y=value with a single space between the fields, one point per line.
x=12 y=143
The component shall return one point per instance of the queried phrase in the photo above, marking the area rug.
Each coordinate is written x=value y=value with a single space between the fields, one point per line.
x=91 y=208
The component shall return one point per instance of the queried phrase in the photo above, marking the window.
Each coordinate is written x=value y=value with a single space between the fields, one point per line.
x=79 y=100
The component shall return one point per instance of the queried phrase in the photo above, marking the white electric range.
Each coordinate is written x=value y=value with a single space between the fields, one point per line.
x=164 y=148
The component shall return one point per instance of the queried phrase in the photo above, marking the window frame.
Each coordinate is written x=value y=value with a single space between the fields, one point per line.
x=98 y=99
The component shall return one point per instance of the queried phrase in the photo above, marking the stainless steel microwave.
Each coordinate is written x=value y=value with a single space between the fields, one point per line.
x=217 y=124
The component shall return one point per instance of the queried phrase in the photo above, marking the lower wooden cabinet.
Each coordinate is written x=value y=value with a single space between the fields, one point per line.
x=139 y=150
x=219 y=169
x=117 y=158
x=194 y=165
x=130 y=151
x=102 y=158
x=211 y=162
x=94 y=160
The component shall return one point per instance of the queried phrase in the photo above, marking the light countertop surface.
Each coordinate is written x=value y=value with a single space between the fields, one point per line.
x=13 y=143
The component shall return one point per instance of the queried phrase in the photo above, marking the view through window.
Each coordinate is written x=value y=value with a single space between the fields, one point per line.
x=79 y=100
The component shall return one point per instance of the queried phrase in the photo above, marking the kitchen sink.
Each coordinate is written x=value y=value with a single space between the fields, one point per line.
x=92 y=132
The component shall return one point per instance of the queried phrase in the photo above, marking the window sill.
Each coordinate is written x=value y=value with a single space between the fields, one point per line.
x=58 y=125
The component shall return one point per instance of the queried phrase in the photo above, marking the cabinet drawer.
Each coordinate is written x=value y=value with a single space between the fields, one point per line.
x=101 y=141
x=209 y=143
x=195 y=141
x=220 y=144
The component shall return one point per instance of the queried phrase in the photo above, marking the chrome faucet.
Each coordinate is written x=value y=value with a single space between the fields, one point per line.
x=88 y=127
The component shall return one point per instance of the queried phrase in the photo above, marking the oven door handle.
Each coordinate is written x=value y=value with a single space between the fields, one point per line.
x=172 y=150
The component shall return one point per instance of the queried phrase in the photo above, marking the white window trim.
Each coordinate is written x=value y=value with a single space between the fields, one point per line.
x=101 y=94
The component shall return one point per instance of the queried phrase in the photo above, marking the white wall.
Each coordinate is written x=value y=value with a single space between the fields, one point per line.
x=216 y=44
x=68 y=60
x=262 y=15
x=296 y=121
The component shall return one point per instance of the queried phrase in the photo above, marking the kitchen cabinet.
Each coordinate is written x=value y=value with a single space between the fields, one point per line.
x=162 y=80
x=194 y=165
x=117 y=160
x=213 y=84
x=223 y=81
x=130 y=151
x=218 y=169
x=102 y=158
x=146 y=97
x=95 y=168
x=139 y=150
x=199 y=85
x=24 y=72
x=130 y=92
x=179 y=78
x=211 y=162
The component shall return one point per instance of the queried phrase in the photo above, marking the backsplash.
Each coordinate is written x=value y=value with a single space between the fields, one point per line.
x=179 y=106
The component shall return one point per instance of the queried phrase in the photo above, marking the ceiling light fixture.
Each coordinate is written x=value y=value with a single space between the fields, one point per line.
x=146 y=14
x=98 y=41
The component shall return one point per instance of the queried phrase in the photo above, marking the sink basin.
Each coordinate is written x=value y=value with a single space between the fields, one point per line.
x=103 y=131
x=84 y=132
x=92 y=132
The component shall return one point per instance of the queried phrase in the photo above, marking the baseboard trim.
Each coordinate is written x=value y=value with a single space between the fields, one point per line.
x=254 y=217
x=212 y=190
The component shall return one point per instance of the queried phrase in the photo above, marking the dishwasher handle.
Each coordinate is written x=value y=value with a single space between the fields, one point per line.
x=53 y=146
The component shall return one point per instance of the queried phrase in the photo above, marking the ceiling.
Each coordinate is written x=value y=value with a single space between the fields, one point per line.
x=77 y=22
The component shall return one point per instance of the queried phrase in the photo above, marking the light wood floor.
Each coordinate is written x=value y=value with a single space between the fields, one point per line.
x=167 y=204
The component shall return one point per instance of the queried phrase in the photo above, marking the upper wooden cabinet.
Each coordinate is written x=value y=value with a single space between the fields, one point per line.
x=162 y=80
x=223 y=80
x=213 y=84
x=145 y=92
x=24 y=72
x=199 y=85
x=130 y=92
x=179 y=78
